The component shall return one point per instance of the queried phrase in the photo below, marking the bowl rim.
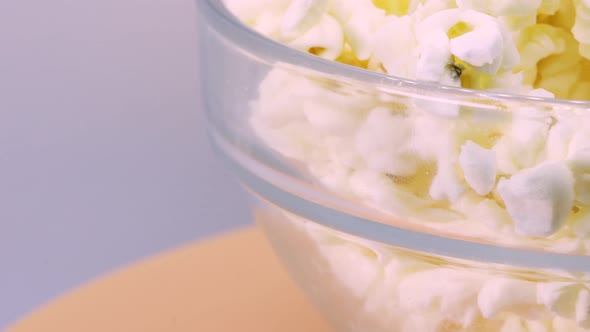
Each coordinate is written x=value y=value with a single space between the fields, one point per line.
x=253 y=41
x=254 y=44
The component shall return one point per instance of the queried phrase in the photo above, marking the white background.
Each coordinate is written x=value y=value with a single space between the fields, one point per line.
x=103 y=158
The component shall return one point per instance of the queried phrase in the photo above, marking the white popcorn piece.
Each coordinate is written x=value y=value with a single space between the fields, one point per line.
x=326 y=38
x=516 y=324
x=486 y=57
x=420 y=10
x=580 y=222
x=487 y=45
x=539 y=199
x=339 y=152
x=343 y=9
x=248 y=11
x=523 y=145
x=434 y=60
x=528 y=136
x=379 y=191
x=516 y=15
x=499 y=294
x=396 y=54
x=502 y=7
x=382 y=141
x=582 y=189
x=579 y=143
x=514 y=8
x=268 y=23
x=561 y=324
x=433 y=137
x=274 y=107
x=447 y=183
x=331 y=120
x=489 y=213
x=297 y=140
x=558 y=140
x=579 y=161
x=423 y=322
x=341 y=257
x=583 y=308
x=537 y=326
x=452 y=291
x=479 y=167
x=581 y=28
x=361 y=27
x=505 y=156
x=559 y=297
x=331 y=174
x=302 y=15
x=566 y=245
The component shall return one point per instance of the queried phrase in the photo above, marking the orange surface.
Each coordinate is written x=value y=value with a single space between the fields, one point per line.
x=230 y=283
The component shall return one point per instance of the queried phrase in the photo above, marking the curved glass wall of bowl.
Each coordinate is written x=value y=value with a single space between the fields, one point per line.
x=379 y=195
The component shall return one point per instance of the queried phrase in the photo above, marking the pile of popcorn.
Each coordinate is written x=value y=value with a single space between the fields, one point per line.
x=512 y=173
x=521 y=177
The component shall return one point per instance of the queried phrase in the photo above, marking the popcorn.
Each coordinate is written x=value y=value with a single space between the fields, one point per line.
x=522 y=146
x=549 y=7
x=558 y=138
x=447 y=183
x=559 y=297
x=580 y=222
x=382 y=141
x=396 y=55
x=302 y=15
x=434 y=62
x=479 y=167
x=516 y=324
x=581 y=28
x=515 y=14
x=360 y=29
x=539 y=199
x=499 y=294
x=582 y=314
x=483 y=44
x=582 y=189
x=366 y=271
x=535 y=43
x=325 y=39
x=502 y=7
x=451 y=290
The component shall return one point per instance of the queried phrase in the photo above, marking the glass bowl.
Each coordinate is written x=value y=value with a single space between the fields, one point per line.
x=362 y=240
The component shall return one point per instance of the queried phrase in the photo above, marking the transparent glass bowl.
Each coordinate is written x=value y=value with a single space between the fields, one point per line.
x=382 y=265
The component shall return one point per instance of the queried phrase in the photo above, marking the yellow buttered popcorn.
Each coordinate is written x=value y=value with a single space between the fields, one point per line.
x=581 y=28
